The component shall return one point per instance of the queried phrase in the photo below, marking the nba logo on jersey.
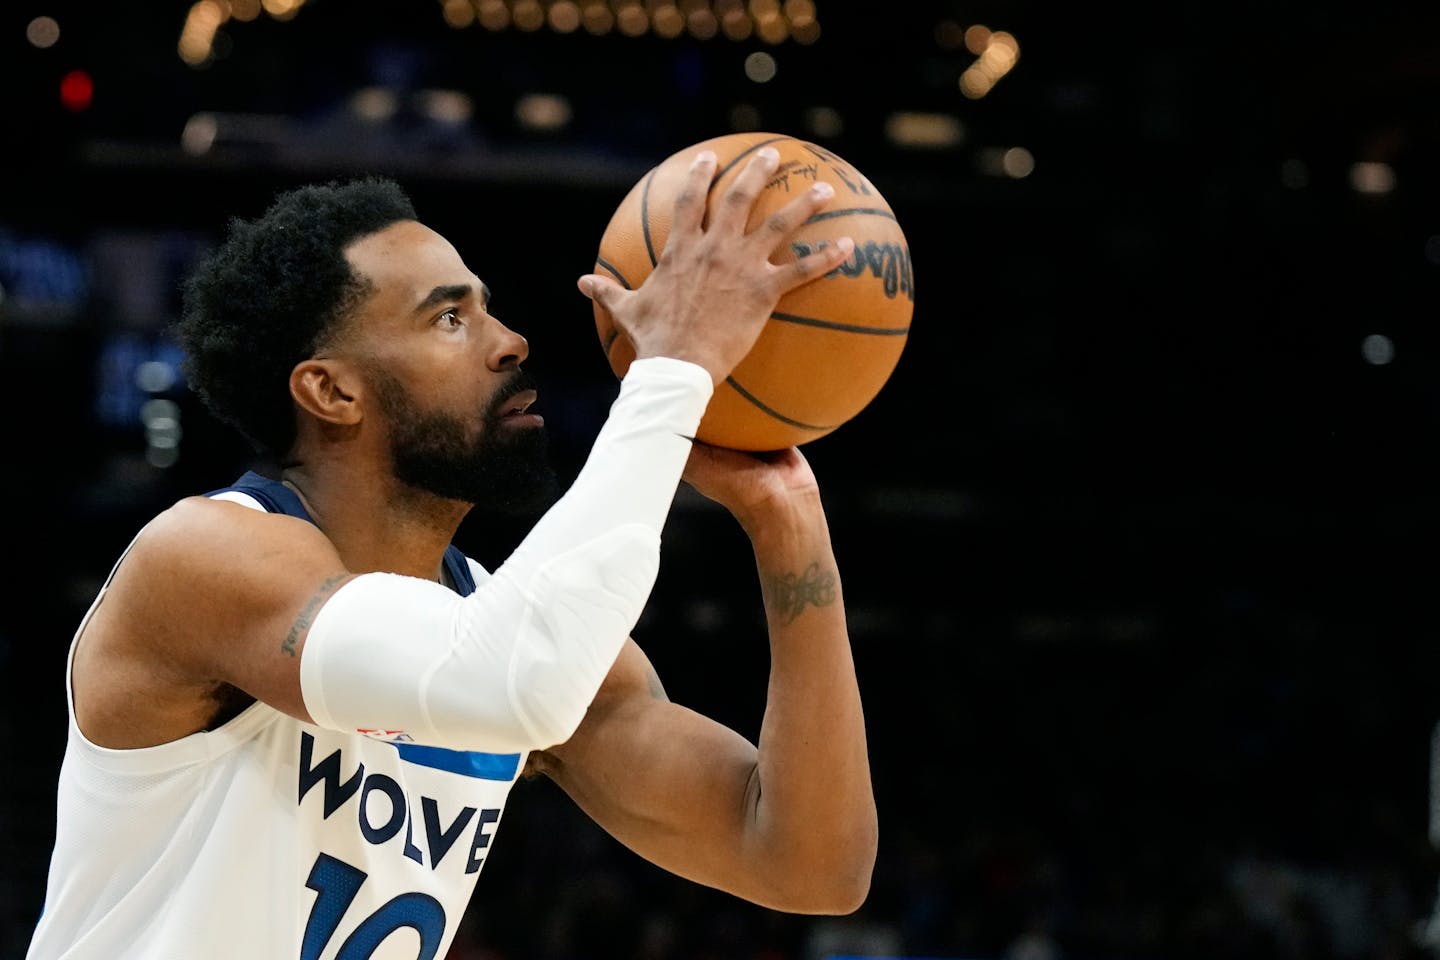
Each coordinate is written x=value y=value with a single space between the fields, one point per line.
x=389 y=736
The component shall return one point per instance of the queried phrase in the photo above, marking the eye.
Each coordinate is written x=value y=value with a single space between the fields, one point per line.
x=450 y=318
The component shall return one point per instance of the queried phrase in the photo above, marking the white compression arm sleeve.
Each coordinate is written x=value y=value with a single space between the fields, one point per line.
x=515 y=665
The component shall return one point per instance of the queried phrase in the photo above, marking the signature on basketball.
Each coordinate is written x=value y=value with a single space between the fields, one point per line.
x=808 y=173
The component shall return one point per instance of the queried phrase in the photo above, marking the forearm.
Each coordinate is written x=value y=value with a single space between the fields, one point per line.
x=812 y=801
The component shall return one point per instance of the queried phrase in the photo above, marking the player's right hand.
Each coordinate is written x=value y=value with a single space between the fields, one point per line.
x=714 y=287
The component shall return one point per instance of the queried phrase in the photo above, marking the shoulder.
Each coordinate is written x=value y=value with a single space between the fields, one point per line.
x=203 y=525
x=200 y=540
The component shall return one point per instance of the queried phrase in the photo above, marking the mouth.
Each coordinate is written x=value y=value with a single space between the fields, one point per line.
x=518 y=404
x=517 y=408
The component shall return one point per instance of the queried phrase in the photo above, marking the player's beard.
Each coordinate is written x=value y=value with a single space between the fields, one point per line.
x=502 y=470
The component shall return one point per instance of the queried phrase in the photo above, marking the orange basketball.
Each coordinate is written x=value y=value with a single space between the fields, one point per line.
x=831 y=344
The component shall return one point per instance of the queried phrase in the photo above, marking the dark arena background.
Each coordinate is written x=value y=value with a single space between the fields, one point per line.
x=1138 y=542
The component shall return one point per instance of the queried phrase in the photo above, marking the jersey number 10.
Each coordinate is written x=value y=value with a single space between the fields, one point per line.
x=336 y=883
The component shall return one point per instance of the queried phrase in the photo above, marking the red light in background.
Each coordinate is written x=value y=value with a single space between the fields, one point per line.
x=76 y=90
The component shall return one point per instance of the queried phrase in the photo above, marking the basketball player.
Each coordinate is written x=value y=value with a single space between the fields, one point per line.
x=297 y=709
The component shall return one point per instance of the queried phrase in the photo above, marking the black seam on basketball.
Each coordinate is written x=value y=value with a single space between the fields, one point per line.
x=645 y=217
x=774 y=413
x=843 y=327
x=610 y=338
x=852 y=212
x=601 y=261
x=742 y=155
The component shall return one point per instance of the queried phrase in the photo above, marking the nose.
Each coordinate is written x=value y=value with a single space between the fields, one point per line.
x=511 y=349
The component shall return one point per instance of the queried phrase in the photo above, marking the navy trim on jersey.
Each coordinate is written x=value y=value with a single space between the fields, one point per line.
x=278 y=498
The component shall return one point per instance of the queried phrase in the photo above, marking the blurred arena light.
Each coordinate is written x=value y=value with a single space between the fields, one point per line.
x=448 y=107
x=528 y=16
x=772 y=28
x=155 y=376
x=1377 y=349
x=205 y=18
x=458 y=13
x=493 y=14
x=77 y=90
x=734 y=21
x=996 y=55
x=761 y=67
x=197 y=37
x=282 y=9
x=43 y=32
x=667 y=21
x=374 y=104
x=631 y=19
x=1015 y=163
x=563 y=16
x=597 y=18
x=700 y=21
x=918 y=130
x=543 y=111
x=199 y=134
x=206 y=131
x=161 y=419
x=772 y=21
x=1371 y=177
x=824 y=122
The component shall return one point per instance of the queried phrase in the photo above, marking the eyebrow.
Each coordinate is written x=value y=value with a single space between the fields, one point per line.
x=448 y=292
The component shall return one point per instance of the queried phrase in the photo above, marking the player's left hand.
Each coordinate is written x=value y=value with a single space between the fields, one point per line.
x=751 y=485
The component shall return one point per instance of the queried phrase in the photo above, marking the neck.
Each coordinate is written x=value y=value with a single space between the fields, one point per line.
x=377 y=523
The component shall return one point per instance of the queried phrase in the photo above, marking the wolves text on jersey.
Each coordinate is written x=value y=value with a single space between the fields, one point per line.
x=439 y=833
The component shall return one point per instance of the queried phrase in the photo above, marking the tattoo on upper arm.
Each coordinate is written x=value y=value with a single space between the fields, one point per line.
x=302 y=622
x=792 y=593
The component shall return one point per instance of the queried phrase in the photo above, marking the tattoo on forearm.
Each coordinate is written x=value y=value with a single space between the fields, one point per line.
x=302 y=622
x=792 y=593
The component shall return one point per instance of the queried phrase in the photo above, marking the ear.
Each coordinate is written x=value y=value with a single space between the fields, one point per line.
x=327 y=389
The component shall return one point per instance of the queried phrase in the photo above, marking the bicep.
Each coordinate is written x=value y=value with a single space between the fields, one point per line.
x=671 y=784
x=219 y=593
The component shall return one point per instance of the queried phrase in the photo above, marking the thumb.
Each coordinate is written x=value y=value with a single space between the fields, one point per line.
x=600 y=289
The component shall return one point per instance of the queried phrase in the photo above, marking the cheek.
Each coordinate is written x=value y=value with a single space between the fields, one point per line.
x=456 y=378
x=450 y=373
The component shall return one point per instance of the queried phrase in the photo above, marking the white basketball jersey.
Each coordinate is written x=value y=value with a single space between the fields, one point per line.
x=267 y=838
